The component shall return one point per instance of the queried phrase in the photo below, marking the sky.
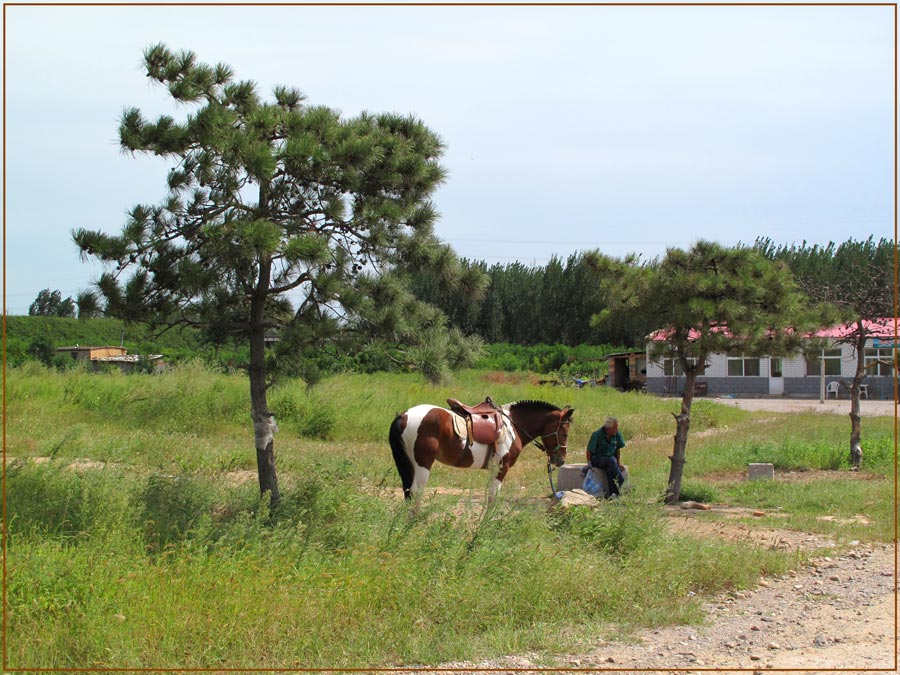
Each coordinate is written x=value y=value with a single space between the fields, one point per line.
x=624 y=129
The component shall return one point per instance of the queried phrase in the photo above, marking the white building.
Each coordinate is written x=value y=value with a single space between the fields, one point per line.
x=799 y=376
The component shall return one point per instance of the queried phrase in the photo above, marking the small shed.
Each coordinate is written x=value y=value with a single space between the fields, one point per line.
x=627 y=370
x=80 y=353
x=109 y=355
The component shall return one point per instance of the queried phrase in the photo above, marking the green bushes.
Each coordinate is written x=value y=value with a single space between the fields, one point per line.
x=587 y=360
x=58 y=501
x=311 y=416
x=622 y=527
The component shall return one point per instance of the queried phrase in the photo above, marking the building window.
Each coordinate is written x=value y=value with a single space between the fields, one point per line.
x=879 y=362
x=832 y=363
x=741 y=366
x=672 y=367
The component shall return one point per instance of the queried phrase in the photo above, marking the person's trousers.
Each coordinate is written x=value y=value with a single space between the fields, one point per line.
x=610 y=467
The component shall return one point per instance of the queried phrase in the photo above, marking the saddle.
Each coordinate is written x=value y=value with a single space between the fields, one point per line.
x=484 y=422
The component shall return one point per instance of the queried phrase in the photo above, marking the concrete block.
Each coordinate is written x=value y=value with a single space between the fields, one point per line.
x=570 y=477
x=761 y=471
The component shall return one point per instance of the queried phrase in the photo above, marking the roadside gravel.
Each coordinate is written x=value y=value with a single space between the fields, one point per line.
x=837 y=613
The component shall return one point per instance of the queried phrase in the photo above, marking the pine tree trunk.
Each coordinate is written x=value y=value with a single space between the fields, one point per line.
x=682 y=426
x=855 y=416
x=264 y=426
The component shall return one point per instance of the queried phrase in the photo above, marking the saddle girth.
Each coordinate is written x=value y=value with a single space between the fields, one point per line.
x=484 y=424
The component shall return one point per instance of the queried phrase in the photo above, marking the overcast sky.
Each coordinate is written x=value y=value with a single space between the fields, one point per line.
x=567 y=128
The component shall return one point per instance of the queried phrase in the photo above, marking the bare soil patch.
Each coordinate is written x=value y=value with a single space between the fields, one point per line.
x=836 y=613
x=830 y=406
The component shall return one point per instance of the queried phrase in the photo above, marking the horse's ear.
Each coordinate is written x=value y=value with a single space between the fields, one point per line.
x=567 y=413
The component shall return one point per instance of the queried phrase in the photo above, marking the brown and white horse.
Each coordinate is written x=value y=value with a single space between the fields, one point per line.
x=425 y=433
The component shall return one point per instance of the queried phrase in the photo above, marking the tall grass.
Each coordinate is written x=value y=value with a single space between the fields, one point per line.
x=163 y=555
x=181 y=572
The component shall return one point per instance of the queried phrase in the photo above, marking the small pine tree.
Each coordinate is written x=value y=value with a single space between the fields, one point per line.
x=710 y=299
x=858 y=280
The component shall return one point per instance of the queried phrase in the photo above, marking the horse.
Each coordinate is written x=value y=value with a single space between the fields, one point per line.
x=426 y=433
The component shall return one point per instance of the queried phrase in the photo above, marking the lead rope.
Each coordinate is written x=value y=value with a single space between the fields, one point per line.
x=550 y=478
x=537 y=442
x=541 y=447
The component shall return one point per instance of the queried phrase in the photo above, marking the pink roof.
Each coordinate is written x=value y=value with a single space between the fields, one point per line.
x=878 y=328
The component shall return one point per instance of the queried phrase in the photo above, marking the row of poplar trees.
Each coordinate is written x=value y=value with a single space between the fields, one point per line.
x=284 y=217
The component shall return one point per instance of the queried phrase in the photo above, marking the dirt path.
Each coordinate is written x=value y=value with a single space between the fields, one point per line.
x=837 y=613
x=830 y=406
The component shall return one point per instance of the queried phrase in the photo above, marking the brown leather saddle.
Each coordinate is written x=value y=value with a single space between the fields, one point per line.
x=484 y=423
x=484 y=420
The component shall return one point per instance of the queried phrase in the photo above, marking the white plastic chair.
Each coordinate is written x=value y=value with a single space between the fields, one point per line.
x=864 y=390
x=833 y=388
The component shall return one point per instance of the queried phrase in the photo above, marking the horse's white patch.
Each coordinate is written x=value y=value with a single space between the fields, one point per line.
x=414 y=417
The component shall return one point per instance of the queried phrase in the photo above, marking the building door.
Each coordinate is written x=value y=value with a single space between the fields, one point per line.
x=776 y=377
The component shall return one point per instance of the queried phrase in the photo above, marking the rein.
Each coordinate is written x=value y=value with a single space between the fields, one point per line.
x=538 y=441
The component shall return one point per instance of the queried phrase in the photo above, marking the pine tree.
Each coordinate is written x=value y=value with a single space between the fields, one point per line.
x=858 y=280
x=281 y=217
x=710 y=299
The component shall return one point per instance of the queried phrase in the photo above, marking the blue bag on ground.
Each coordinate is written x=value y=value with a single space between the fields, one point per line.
x=592 y=484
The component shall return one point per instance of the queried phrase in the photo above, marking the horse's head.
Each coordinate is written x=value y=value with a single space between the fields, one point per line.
x=555 y=435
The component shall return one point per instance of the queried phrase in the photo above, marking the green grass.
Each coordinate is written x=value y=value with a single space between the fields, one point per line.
x=163 y=558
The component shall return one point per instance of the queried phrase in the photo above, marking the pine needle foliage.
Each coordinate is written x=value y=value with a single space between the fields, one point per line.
x=280 y=218
x=708 y=299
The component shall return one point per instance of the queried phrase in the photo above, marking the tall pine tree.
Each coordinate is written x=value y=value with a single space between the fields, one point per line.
x=280 y=217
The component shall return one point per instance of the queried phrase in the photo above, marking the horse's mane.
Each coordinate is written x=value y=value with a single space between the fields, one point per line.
x=533 y=405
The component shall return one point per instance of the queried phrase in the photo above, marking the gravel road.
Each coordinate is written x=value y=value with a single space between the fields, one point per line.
x=837 y=613
x=828 y=407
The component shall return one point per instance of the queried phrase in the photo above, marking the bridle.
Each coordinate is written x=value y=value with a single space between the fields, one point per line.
x=538 y=441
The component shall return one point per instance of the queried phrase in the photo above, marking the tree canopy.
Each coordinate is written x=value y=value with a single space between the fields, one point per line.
x=281 y=218
x=51 y=303
x=858 y=279
x=709 y=299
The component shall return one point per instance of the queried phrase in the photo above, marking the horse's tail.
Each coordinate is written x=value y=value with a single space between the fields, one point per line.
x=401 y=459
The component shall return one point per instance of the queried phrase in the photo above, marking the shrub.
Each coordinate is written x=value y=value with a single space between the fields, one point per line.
x=55 y=500
x=169 y=509
x=698 y=492
x=619 y=527
x=318 y=421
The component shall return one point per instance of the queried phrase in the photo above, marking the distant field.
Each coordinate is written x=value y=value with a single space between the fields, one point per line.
x=137 y=539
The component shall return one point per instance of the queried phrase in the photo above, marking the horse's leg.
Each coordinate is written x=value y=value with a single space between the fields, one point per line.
x=405 y=465
x=498 y=470
x=420 y=480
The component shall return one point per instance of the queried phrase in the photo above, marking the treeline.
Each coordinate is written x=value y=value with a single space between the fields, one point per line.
x=530 y=305
x=36 y=338
x=556 y=303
